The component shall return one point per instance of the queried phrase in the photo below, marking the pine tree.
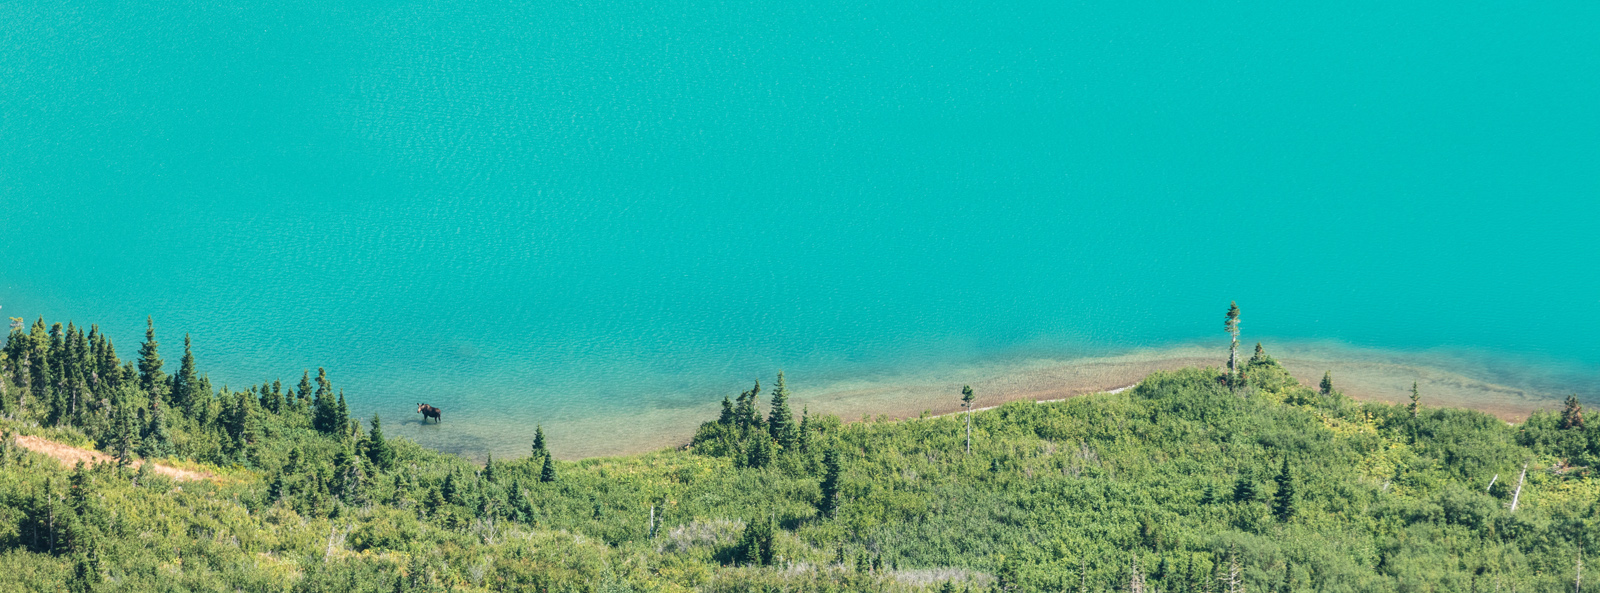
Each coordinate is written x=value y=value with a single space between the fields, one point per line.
x=548 y=474
x=451 y=489
x=780 y=422
x=539 y=447
x=1244 y=490
x=488 y=470
x=1327 y=383
x=377 y=447
x=1572 y=414
x=325 y=416
x=828 y=505
x=967 y=398
x=344 y=414
x=727 y=412
x=126 y=435
x=1231 y=325
x=805 y=437
x=156 y=441
x=1283 y=501
x=151 y=379
x=1416 y=401
x=303 y=393
x=186 y=384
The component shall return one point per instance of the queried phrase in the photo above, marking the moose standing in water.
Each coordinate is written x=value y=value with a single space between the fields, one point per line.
x=429 y=412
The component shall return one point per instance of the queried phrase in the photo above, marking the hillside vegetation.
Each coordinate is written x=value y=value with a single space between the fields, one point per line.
x=1196 y=480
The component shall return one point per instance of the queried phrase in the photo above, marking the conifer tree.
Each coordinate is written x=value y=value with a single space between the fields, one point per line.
x=1283 y=501
x=1572 y=414
x=451 y=489
x=156 y=441
x=805 y=437
x=344 y=411
x=727 y=412
x=548 y=474
x=539 y=447
x=325 y=416
x=1327 y=383
x=377 y=448
x=1231 y=325
x=1244 y=490
x=303 y=393
x=828 y=505
x=126 y=435
x=780 y=421
x=186 y=384
x=1416 y=401
x=151 y=379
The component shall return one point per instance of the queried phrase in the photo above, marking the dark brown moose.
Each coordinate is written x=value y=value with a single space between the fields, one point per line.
x=429 y=412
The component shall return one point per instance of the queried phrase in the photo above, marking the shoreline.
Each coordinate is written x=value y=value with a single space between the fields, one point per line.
x=1366 y=375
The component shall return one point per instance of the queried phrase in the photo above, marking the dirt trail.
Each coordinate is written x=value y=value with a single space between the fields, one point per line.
x=70 y=456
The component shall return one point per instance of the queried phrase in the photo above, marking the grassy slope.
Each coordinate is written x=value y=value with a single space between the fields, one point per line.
x=1052 y=495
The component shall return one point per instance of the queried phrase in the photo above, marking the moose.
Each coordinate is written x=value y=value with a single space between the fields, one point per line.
x=429 y=412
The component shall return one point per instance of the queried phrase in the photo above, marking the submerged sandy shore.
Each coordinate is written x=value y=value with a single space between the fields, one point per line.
x=1363 y=374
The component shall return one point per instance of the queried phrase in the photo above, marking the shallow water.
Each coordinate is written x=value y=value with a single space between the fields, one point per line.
x=604 y=218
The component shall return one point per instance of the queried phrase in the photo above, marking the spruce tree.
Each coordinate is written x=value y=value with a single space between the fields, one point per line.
x=1283 y=501
x=488 y=470
x=780 y=421
x=186 y=384
x=1416 y=401
x=1244 y=490
x=1327 y=383
x=828 y=505
x=151 y=379
x=303 y=393
x=378 y=450
x=805 y=437
x=156 y=441
x=325 y=416
x=539 y=447
x=548 y=474
x=727 y=412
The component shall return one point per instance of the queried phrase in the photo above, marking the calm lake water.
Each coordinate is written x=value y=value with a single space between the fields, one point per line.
x=567 y=213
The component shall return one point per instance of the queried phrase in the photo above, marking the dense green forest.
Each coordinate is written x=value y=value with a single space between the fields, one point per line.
x=1216 y=480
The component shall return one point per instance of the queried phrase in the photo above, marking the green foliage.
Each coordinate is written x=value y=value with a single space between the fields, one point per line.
x=1182 y=481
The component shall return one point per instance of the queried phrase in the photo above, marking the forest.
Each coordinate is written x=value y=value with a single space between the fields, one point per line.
x=1216 y=480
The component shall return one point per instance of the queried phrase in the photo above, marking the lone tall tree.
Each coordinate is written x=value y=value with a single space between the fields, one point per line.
x=151 y=379
x=1283 y=501
x=1416 y=401
x=548 y=474
x=1327 y=382
x=539 y=447
x=1232 y=327
x=186 y=384
x=966 y=402
x=780 y=422
x=829 y=503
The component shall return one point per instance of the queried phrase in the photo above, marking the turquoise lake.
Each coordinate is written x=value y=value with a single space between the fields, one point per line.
x=566 y=213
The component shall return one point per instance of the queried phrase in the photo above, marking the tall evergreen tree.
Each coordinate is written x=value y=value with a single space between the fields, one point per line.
x=186 y=384
x=780 y=421
x=156 y=441
x=828 y=505
x=1327 y=383
x=1284 y=501
x=805 y=437
x=727 y=412
x=325 y=415
x=151 y=379
x=539 y=447
x=377 y=447
x=1416 y=401
x=548 y=474
x=303 y=391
